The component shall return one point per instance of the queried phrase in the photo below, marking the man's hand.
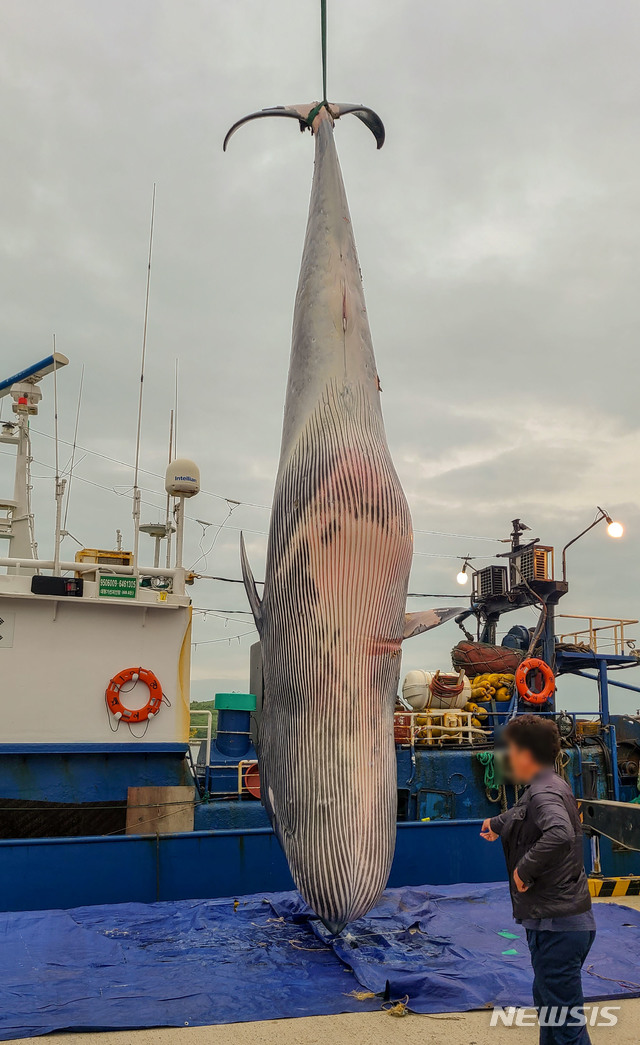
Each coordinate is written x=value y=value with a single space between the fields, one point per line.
x=486 y=832
x=520 y=886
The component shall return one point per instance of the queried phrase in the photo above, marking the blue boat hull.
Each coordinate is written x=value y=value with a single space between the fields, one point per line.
x=46 y=873
x=40 y=874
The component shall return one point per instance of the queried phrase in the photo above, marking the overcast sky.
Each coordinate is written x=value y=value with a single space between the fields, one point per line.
x=499 y=238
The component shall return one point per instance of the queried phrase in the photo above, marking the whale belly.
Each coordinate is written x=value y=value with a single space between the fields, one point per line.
x=339 y=556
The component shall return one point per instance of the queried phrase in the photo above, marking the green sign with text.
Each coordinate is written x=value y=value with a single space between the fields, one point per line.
x=118 y=587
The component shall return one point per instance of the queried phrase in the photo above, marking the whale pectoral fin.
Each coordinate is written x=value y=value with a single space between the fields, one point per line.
x=416 y=623
x=369 y=118
x=250 y=585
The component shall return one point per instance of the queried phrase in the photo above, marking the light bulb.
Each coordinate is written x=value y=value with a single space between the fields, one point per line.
x=462 y=577
x=615 y=529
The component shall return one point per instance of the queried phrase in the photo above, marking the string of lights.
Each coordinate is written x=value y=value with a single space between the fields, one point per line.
x=225 y=638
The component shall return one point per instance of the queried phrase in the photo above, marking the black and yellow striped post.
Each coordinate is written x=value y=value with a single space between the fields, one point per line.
x=604 y=887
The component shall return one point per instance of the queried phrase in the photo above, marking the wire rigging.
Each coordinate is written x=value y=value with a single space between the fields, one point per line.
x=231 y=505
x=125 y=490
x=225 y=638
x=244 y=504
x=147 y=471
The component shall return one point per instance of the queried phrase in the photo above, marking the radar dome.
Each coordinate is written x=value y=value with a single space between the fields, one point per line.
x=182 y=478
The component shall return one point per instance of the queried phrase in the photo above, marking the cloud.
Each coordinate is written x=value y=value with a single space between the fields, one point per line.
x=498 y=237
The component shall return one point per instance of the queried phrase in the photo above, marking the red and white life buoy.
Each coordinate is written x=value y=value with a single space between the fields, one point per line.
x=522 y=681
x=113 y=695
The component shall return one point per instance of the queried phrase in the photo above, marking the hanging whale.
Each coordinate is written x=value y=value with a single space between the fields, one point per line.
x=332 y=616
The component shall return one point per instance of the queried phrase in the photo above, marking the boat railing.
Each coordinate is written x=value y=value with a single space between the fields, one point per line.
x=176 y=574
x=195 y=735
x=607 y=633
x=437 y=726
x=243 y=766
x=239 y=768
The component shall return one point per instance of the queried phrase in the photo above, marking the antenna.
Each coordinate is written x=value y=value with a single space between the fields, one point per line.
x=168 y=523
x=175 y=409
x=59 y=483
x=73 y=452
x=136 y=489
x=173 y=452
x=163 y=529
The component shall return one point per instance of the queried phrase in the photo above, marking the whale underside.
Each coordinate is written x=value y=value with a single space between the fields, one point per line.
x=339 y=558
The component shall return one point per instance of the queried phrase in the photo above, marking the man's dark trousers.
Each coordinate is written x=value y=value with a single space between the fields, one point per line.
x=557 y=959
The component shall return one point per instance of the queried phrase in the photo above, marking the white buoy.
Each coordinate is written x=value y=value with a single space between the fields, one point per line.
x=416 y=690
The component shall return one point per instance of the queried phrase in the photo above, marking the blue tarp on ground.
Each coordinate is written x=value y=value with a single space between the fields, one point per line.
x=190 y=962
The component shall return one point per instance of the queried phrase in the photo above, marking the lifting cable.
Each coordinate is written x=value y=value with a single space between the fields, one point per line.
x=324 y=104
x=323 y=21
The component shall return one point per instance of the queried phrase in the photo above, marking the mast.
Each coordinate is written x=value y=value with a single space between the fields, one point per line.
x=22 y=543
x=23 y=389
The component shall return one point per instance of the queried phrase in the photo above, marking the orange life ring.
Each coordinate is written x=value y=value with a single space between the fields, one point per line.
x=117 y=708
x=522 y=685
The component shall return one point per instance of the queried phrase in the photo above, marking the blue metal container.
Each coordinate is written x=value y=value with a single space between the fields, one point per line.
x=234 y=733
x=233 y=736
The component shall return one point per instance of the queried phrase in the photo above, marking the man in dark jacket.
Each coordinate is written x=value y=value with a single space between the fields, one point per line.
x=542 y=841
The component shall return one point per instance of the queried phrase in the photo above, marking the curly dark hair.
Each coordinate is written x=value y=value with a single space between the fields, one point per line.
x=535 y=734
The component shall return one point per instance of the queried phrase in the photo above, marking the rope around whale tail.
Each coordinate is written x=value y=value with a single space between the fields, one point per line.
x=307 y=114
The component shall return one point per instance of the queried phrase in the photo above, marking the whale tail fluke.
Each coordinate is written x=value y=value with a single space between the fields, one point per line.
x=368 y=117
x=309 y=115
